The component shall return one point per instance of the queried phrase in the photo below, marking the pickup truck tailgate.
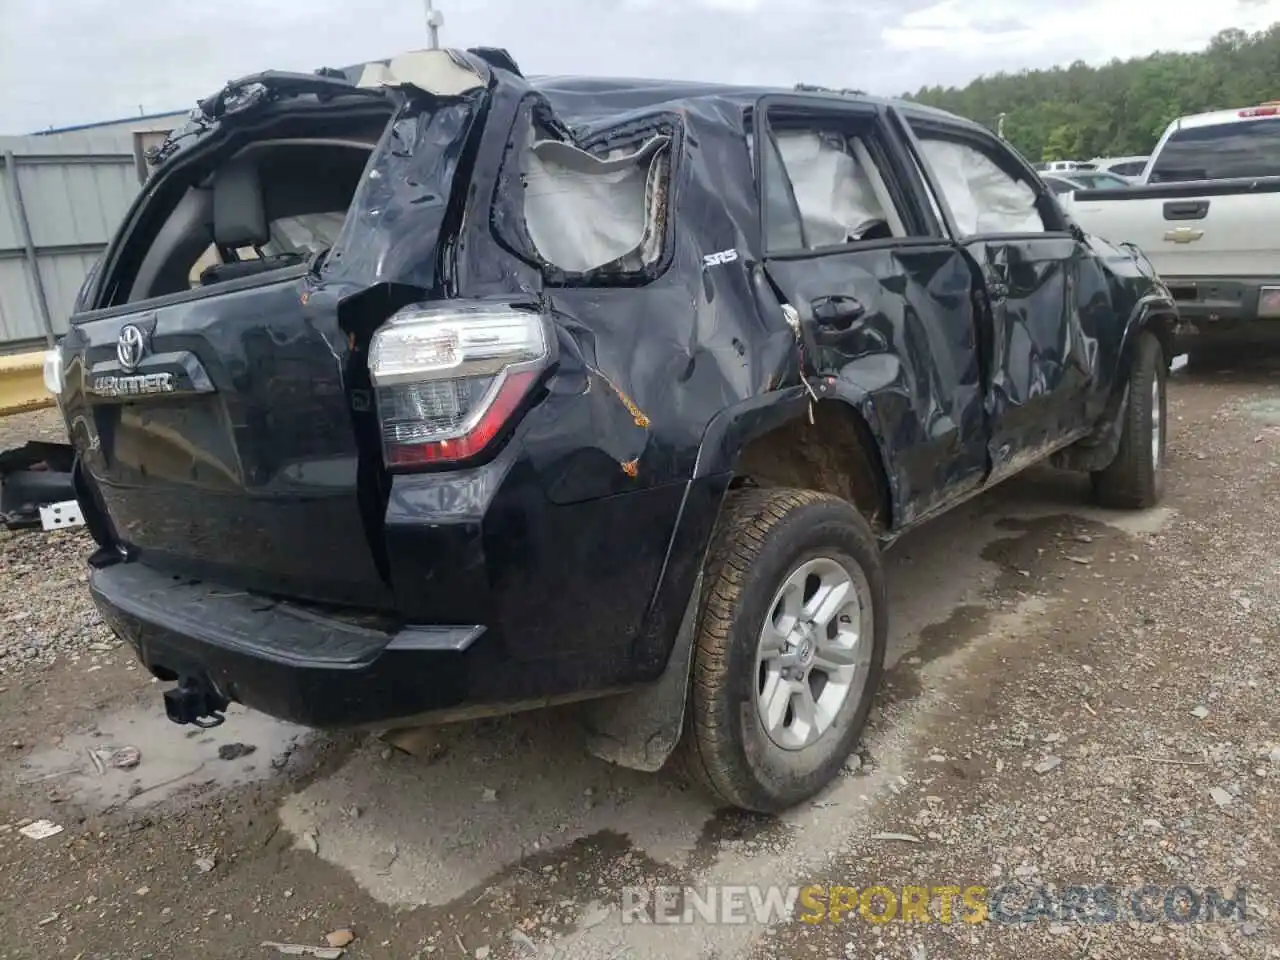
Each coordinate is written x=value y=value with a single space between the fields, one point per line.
x=1225 y=228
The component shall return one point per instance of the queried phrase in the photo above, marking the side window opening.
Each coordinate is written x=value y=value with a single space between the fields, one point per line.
x=596 y=212
x=983 y=197
x=822 y=187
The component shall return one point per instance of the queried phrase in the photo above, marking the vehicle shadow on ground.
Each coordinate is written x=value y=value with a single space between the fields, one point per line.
x=482 y=796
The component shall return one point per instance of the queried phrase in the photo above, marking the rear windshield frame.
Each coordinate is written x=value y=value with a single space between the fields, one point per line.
x=1206 y=152
x=159 y=196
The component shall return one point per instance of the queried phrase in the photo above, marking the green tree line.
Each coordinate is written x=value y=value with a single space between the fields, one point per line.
x=1120 y=109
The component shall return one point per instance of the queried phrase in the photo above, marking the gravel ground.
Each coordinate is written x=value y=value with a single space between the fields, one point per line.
x=44 y=607
x=1079 y=699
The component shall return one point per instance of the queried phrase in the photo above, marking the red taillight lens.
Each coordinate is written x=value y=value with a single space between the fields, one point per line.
x=1263 y=111
x=448 y=377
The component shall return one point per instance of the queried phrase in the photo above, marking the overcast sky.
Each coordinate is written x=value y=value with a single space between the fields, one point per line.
x=66 y=62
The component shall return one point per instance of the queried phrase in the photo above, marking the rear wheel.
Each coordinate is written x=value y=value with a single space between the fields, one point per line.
x=1135 y=477
x=790 y=647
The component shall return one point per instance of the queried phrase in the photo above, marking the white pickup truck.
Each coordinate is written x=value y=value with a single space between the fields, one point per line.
x=1206 y=213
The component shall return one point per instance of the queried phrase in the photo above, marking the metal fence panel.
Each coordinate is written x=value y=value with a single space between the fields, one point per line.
x=62 y=275
x=78 y=202
x=62 y=196
x=19 y=316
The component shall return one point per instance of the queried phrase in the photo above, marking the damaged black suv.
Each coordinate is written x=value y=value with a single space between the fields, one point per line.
x=423 y=390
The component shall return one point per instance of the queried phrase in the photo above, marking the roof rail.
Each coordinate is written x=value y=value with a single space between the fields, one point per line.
x=814 y=88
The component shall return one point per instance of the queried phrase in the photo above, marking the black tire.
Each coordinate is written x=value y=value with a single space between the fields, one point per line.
x=1134 y=480
x=763 y=536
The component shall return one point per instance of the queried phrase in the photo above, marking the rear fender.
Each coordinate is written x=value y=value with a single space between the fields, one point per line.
x=640 y=729
x=733 y=431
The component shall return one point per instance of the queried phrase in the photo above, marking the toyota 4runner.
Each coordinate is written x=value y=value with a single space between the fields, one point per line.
x=424 y=390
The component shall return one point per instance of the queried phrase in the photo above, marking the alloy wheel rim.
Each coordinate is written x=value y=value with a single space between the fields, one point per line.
x=814 y=651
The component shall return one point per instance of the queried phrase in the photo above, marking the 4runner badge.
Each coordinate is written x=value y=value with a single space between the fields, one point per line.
x=131 y=347
x=141 y=385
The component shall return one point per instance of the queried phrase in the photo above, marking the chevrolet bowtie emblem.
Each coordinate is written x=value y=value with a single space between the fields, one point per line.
x=1183 y=235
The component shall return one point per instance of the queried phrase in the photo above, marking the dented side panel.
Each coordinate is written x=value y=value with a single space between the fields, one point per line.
x=393 y=230
x=645 y=364
x=601 y=469
x=1042 y=361
x=911 y=364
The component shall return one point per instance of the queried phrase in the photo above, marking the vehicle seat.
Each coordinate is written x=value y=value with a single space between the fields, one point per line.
x=221 y=272
x=240 y=221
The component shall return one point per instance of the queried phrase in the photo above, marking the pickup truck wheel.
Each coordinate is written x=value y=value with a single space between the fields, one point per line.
x=1134 y=480
x=790 y=647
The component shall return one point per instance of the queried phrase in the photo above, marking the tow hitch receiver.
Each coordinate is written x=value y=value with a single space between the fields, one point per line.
x=195 y=702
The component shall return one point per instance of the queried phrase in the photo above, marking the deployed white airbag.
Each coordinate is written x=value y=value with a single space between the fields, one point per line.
x=983 y=198
x=834 y=193
x=584 y=212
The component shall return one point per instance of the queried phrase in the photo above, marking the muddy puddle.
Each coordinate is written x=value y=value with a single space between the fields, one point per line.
x=137 y=758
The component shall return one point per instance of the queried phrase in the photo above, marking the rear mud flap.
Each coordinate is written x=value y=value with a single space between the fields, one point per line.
x=639 y=730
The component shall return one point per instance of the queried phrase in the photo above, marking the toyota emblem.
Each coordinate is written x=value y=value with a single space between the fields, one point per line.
x=130 y=347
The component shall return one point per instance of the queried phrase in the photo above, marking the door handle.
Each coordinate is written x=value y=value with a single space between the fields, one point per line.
x=1186 y=210
x=837 y=312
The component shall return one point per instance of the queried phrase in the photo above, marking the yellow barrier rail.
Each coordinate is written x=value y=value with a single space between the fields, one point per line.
x=22 y=383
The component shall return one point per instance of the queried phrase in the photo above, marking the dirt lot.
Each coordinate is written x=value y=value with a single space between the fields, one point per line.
x=1077 y=698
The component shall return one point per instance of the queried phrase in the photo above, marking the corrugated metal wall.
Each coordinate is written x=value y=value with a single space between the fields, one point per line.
x=62 y=196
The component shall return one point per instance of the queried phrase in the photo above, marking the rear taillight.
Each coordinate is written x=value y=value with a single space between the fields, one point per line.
x=449 y=377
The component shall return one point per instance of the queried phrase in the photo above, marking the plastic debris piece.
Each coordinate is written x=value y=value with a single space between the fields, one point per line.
x=305 y=950
x=125 y=758
x=41 y=830
x=1047 y=764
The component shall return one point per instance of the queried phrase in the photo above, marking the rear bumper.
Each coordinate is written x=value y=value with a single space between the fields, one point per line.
x=1223 y=309
x=319 y=671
